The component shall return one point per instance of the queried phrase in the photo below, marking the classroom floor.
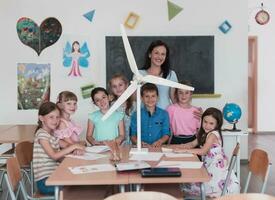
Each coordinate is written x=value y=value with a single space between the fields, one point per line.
x=262 y=141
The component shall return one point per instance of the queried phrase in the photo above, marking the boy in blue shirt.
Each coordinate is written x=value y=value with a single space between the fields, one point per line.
x=154 y=120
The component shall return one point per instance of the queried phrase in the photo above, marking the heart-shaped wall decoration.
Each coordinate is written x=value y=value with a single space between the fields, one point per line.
x=38 y=38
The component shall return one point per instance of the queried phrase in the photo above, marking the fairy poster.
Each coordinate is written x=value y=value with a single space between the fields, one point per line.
x=33 y=85
x=76 y=53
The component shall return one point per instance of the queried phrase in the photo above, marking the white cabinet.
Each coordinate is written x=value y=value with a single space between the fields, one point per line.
x=230 y=140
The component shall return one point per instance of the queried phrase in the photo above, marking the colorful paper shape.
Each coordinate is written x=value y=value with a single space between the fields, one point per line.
x=89 y=15
x=173 y=10
x=225 y=27
x=76 y=56
x=38 y=38
x=33 y=85
x=131 y=20
x=86 y=90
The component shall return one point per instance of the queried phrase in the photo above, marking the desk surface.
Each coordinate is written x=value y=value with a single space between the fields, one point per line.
x=16 y=133
x=62 y=175
x=251 y=196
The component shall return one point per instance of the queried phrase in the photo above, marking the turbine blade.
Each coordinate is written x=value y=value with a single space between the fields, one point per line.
x=126 y=94
x=128 y=50
x=162 y=81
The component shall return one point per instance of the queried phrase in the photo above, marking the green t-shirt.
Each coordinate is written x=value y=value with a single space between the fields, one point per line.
x=108 y=129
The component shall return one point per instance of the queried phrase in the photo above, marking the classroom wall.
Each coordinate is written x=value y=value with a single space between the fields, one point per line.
x=197 y=18
x=266 y=60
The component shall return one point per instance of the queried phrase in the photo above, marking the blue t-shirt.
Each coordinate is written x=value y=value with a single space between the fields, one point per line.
x=153 y=127
x=108 y=129
x=164 y=91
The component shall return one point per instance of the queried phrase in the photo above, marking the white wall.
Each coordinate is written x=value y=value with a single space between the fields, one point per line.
x=266 y=60
x=197 y=18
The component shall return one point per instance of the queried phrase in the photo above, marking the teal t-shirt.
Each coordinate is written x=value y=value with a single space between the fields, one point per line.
x=108 y=129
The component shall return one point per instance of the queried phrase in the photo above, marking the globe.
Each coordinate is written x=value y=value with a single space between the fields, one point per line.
x=232 y=113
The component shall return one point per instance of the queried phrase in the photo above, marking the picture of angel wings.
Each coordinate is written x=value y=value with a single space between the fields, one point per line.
x=75 y=57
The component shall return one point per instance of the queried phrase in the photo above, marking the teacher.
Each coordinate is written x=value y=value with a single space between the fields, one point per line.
x=157 y=64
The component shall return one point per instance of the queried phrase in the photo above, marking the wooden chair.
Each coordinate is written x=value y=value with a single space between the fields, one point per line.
x=170 y=189
x=16 y=185
x=85 y=192
x=231 y=166
x=141 y=196
x=24 y=152
x=259 y=166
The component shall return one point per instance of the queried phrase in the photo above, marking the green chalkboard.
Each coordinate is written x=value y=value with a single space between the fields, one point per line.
x=191 y=57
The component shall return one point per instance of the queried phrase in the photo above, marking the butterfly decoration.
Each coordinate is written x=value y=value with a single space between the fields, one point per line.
x=75 y=57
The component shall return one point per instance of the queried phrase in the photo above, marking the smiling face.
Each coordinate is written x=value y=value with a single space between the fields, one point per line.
x=184 y=97
x=209 y=123
x=118 y=86
x=150 y=99
x=101 y=100
x=50 y=121
x=68 y=107
x=158 y=56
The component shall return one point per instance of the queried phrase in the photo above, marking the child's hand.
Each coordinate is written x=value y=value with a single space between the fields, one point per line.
x=144 y=144
x=78 y=152
x=179 y=150
x=198 y=113
x=97 y=142
x=115 y=152
x=78 y=147
x=157 y=144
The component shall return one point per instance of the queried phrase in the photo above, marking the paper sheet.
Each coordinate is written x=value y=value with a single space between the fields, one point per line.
x=149 y=156
x=92 y=168
x=132 y=165
x=166 y=150
x=97 y=149
x=178 y=155
x=181 y=164
x=87 y=156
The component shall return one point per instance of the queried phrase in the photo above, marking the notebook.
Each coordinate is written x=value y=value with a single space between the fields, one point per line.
x=161 y=172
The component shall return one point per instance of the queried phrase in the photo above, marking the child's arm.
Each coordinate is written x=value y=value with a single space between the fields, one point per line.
x=121 y=130
x=64 y=142
x=190 y=145
x=211 y=139
x=56 y=155
x=90 y=132
x=162 y=140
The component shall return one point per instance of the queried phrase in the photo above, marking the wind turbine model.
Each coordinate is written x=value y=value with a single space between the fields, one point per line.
x=135 y=85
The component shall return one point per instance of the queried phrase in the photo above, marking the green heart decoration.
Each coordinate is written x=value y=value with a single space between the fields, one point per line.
x=38 y=38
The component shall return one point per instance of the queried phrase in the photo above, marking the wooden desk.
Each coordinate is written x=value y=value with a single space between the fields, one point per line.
x=251 y=196
x=5 y=127
x=17 y=133
x=63 y=177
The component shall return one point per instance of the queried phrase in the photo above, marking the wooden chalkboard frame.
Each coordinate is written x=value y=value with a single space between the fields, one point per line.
x=191 y=57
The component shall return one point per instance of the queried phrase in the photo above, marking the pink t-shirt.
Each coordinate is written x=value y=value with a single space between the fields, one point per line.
x=182 y=120
x=72 y=131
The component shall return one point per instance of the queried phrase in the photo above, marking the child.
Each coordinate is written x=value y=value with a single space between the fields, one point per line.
x=154 y=120
x=211 y=149
x=184 y=123
x=46 y=150
x=112 y=128
x=118 y=84
x=68 y=130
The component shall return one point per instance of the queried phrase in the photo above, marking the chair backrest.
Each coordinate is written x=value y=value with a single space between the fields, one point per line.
x=13 y=172
x=231 y=167
x=259 y=166
x=12 y=177
x=141 y=195
x=24 y=152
